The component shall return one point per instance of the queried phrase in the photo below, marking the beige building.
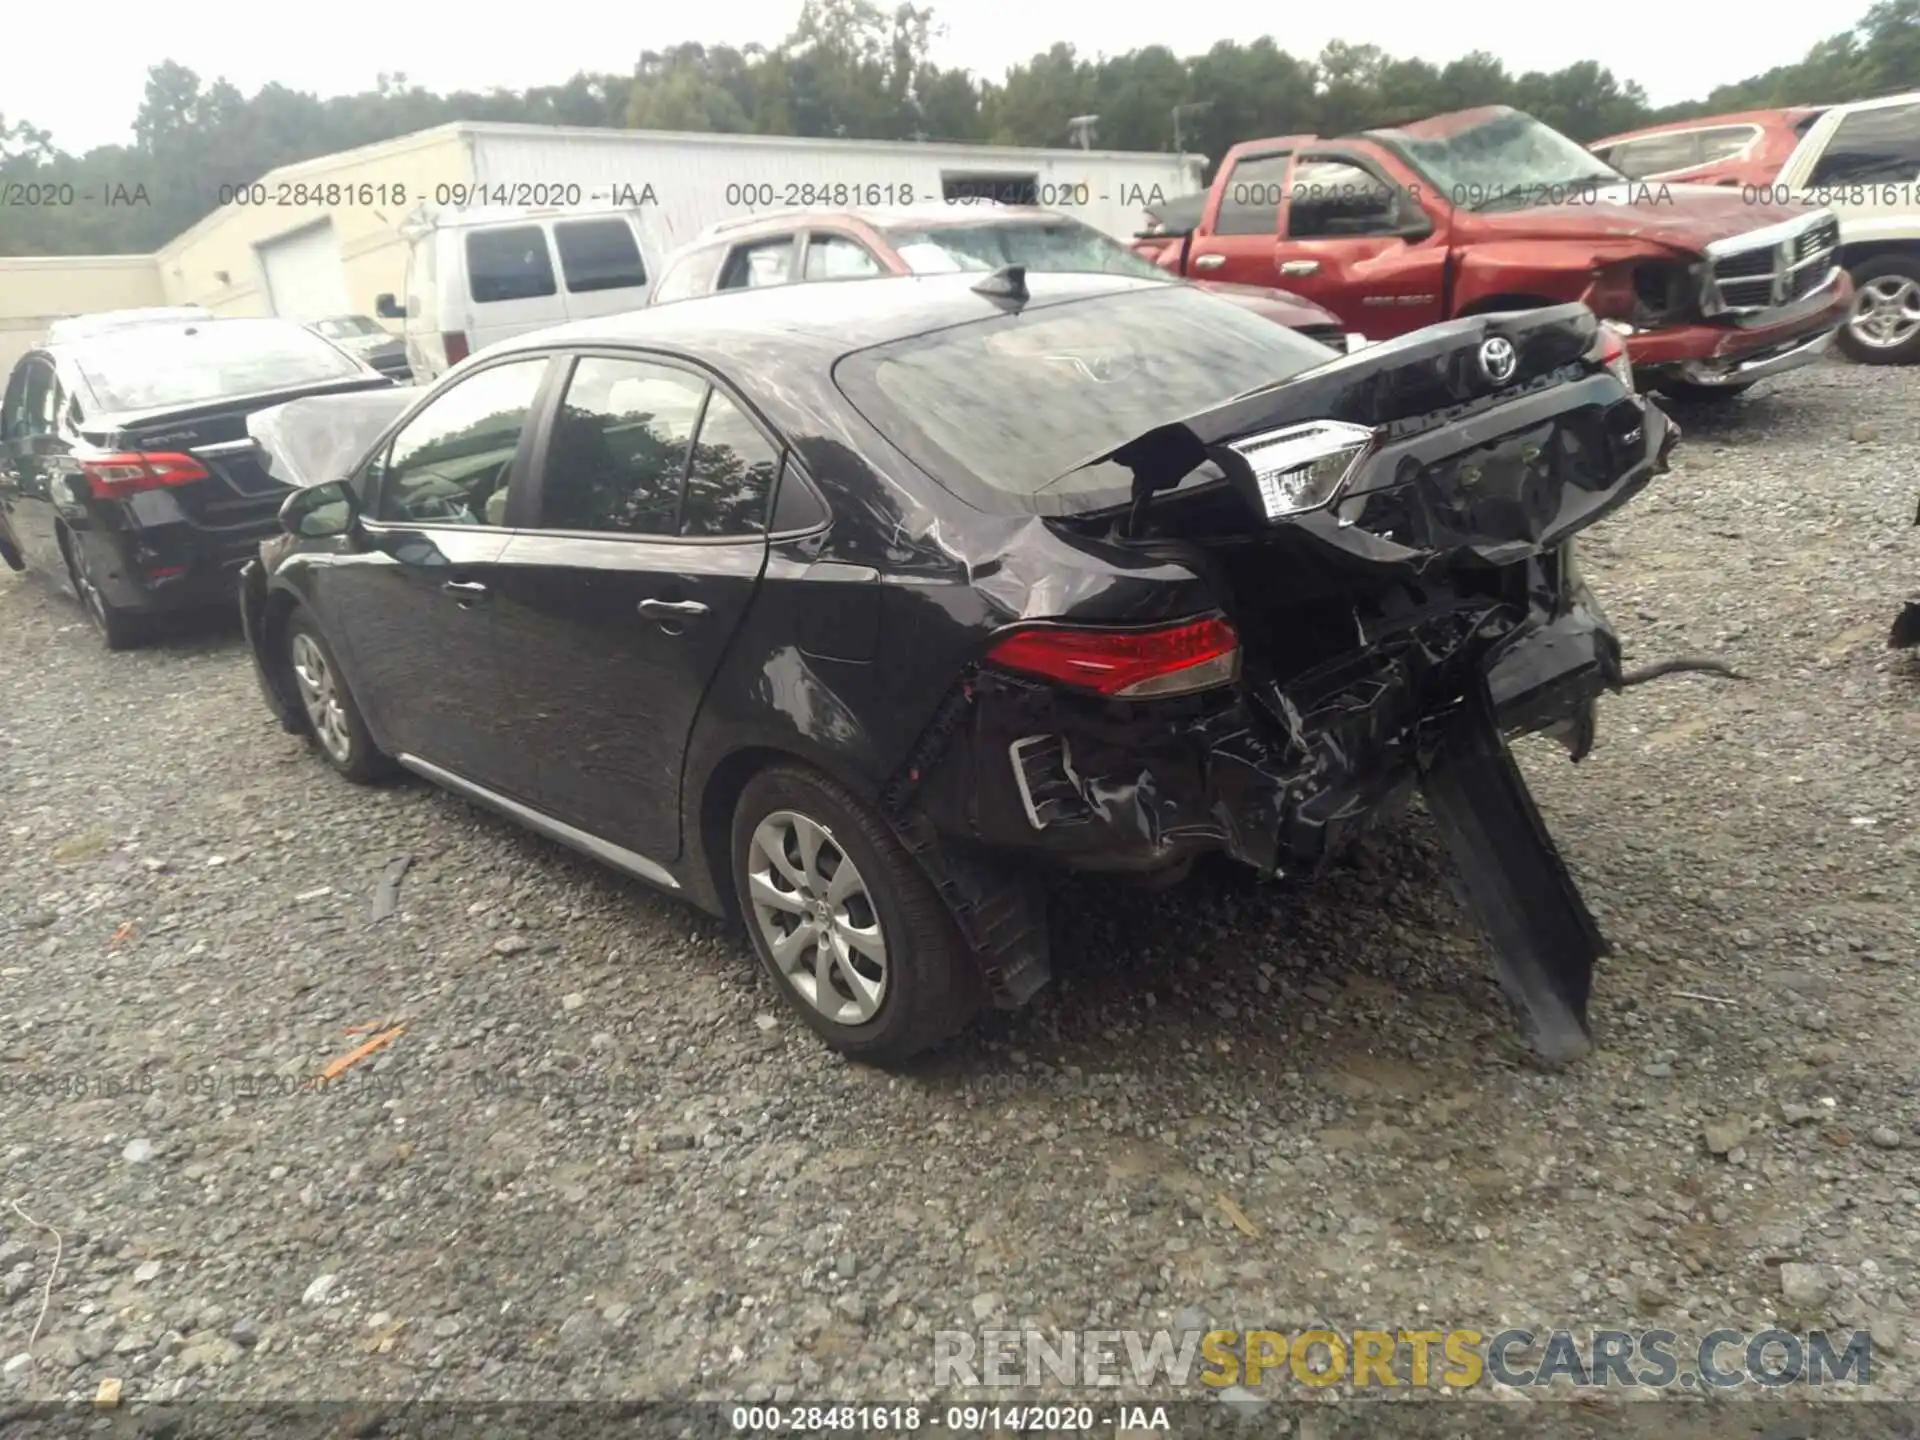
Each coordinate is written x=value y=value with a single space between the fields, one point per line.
x=322 y=237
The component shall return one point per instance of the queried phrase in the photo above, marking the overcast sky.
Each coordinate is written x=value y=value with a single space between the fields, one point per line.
x=1677 y=49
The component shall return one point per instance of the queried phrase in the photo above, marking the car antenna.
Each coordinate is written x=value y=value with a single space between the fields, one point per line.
x=1009 y=282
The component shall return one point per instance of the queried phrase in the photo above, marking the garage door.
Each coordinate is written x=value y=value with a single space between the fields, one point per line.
x=304 y=279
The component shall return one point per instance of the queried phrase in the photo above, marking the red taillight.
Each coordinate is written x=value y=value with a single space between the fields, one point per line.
x=1611 y=351
x=456 y=343
x=114 y=477
x=1126 y=664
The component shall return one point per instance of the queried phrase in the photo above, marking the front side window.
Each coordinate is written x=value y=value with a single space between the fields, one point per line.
x=509 y=264
x=599 y=255
x=750 y=267
x=617 y=458
x=688 y=276
x=1332 y=198
x=452 y=463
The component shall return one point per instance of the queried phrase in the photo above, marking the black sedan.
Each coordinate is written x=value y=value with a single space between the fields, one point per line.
x=127 y=472
x=849 y=610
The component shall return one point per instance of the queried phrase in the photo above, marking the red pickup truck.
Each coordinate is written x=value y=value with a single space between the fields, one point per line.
x=1489 y=209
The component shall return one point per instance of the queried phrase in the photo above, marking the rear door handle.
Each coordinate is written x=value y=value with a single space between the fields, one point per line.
x=468 y=591
x=672 y=609
x=1208 y=262
x=1299 y=267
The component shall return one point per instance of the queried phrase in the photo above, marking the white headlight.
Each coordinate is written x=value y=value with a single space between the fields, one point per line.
x=1304 y=466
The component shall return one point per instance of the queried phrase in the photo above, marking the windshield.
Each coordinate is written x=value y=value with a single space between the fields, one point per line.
x=1040 y=245
x=1510 y=158
x=148 y=369
x=349 y=327
x=1016 y=402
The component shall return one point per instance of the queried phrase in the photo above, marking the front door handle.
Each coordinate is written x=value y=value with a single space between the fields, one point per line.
x=1299 y=267
x=467 y=592
x=1208 y=262
x=672 y=609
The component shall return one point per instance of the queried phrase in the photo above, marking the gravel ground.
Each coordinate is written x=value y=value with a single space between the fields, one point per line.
x=600 y=1162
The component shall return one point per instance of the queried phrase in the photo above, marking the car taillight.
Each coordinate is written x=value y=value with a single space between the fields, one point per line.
x=1610 y=349
x=1126 y=664
x=456 y=343
x=114 y=477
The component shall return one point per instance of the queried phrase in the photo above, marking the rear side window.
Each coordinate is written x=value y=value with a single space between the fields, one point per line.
x=617 y=458
x=1872 y=147
x=509 y=264
x=1250 y=198
x=598 y=255
x=1657 y=154
x=731 y=476
x=452 y=462
x=835 y=257
x=1725 y=142
x=767 y=262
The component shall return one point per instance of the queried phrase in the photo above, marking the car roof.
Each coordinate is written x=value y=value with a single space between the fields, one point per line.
x=93 y=339
x=821 y=320
x=1779 y=115
x=883 y=217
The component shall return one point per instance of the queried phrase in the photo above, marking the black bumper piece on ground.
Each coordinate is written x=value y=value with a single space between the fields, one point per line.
x=1545 y=940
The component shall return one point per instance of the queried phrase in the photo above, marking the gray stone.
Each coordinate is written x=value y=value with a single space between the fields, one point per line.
x=317 y=1292
x=1885 y=1137
x=1805 y=1286
x=1724 y=1136
x=245 y=1333
x=138 y=1152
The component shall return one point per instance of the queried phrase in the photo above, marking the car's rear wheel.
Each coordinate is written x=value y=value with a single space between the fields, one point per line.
x=849 y=928
x=334 y=723
x=120 y=629
x=1884 y=326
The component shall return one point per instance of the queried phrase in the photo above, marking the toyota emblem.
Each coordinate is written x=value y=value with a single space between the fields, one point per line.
x=1497 y=359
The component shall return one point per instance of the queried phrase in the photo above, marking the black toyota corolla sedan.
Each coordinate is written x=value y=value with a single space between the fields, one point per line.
x=849 y=610
x=126 y=471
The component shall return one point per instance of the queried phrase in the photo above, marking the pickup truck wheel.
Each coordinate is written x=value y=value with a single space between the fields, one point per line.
x=1688 y=393
x=850 y=930
x=1884 y=328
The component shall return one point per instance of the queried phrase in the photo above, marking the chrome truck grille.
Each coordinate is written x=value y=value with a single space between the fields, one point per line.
x=1771 y=268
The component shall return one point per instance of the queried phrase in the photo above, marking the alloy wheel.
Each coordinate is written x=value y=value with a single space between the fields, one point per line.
x=90 y=596
x=817 y=918
x=320 y=694
x=1886 y=312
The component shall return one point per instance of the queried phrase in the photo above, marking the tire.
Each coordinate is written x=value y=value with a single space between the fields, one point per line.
x=118 y=628
x=929 y=986
x=1688 y=393
x=10 y=553
x=334 y=725
x=1885 y=284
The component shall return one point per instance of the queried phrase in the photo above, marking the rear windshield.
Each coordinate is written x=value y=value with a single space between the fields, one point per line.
x=1016 y=402
x=1061 y=245
x=348 y=327
x=152 y=368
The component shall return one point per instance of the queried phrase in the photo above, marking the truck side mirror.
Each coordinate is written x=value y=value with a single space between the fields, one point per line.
x=1415 y=227
x=388 y=308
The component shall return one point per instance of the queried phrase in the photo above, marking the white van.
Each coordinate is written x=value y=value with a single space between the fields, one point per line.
x=481 y=275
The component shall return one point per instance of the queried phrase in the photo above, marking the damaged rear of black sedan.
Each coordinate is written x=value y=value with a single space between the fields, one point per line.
x=1087 y=572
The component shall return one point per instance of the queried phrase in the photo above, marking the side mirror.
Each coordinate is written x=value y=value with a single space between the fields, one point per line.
x=320 y=511
x=388 y=308
x=1416 y=227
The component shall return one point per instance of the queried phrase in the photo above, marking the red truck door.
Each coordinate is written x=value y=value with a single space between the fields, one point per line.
x=1234 y=241
x=1359 y=242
